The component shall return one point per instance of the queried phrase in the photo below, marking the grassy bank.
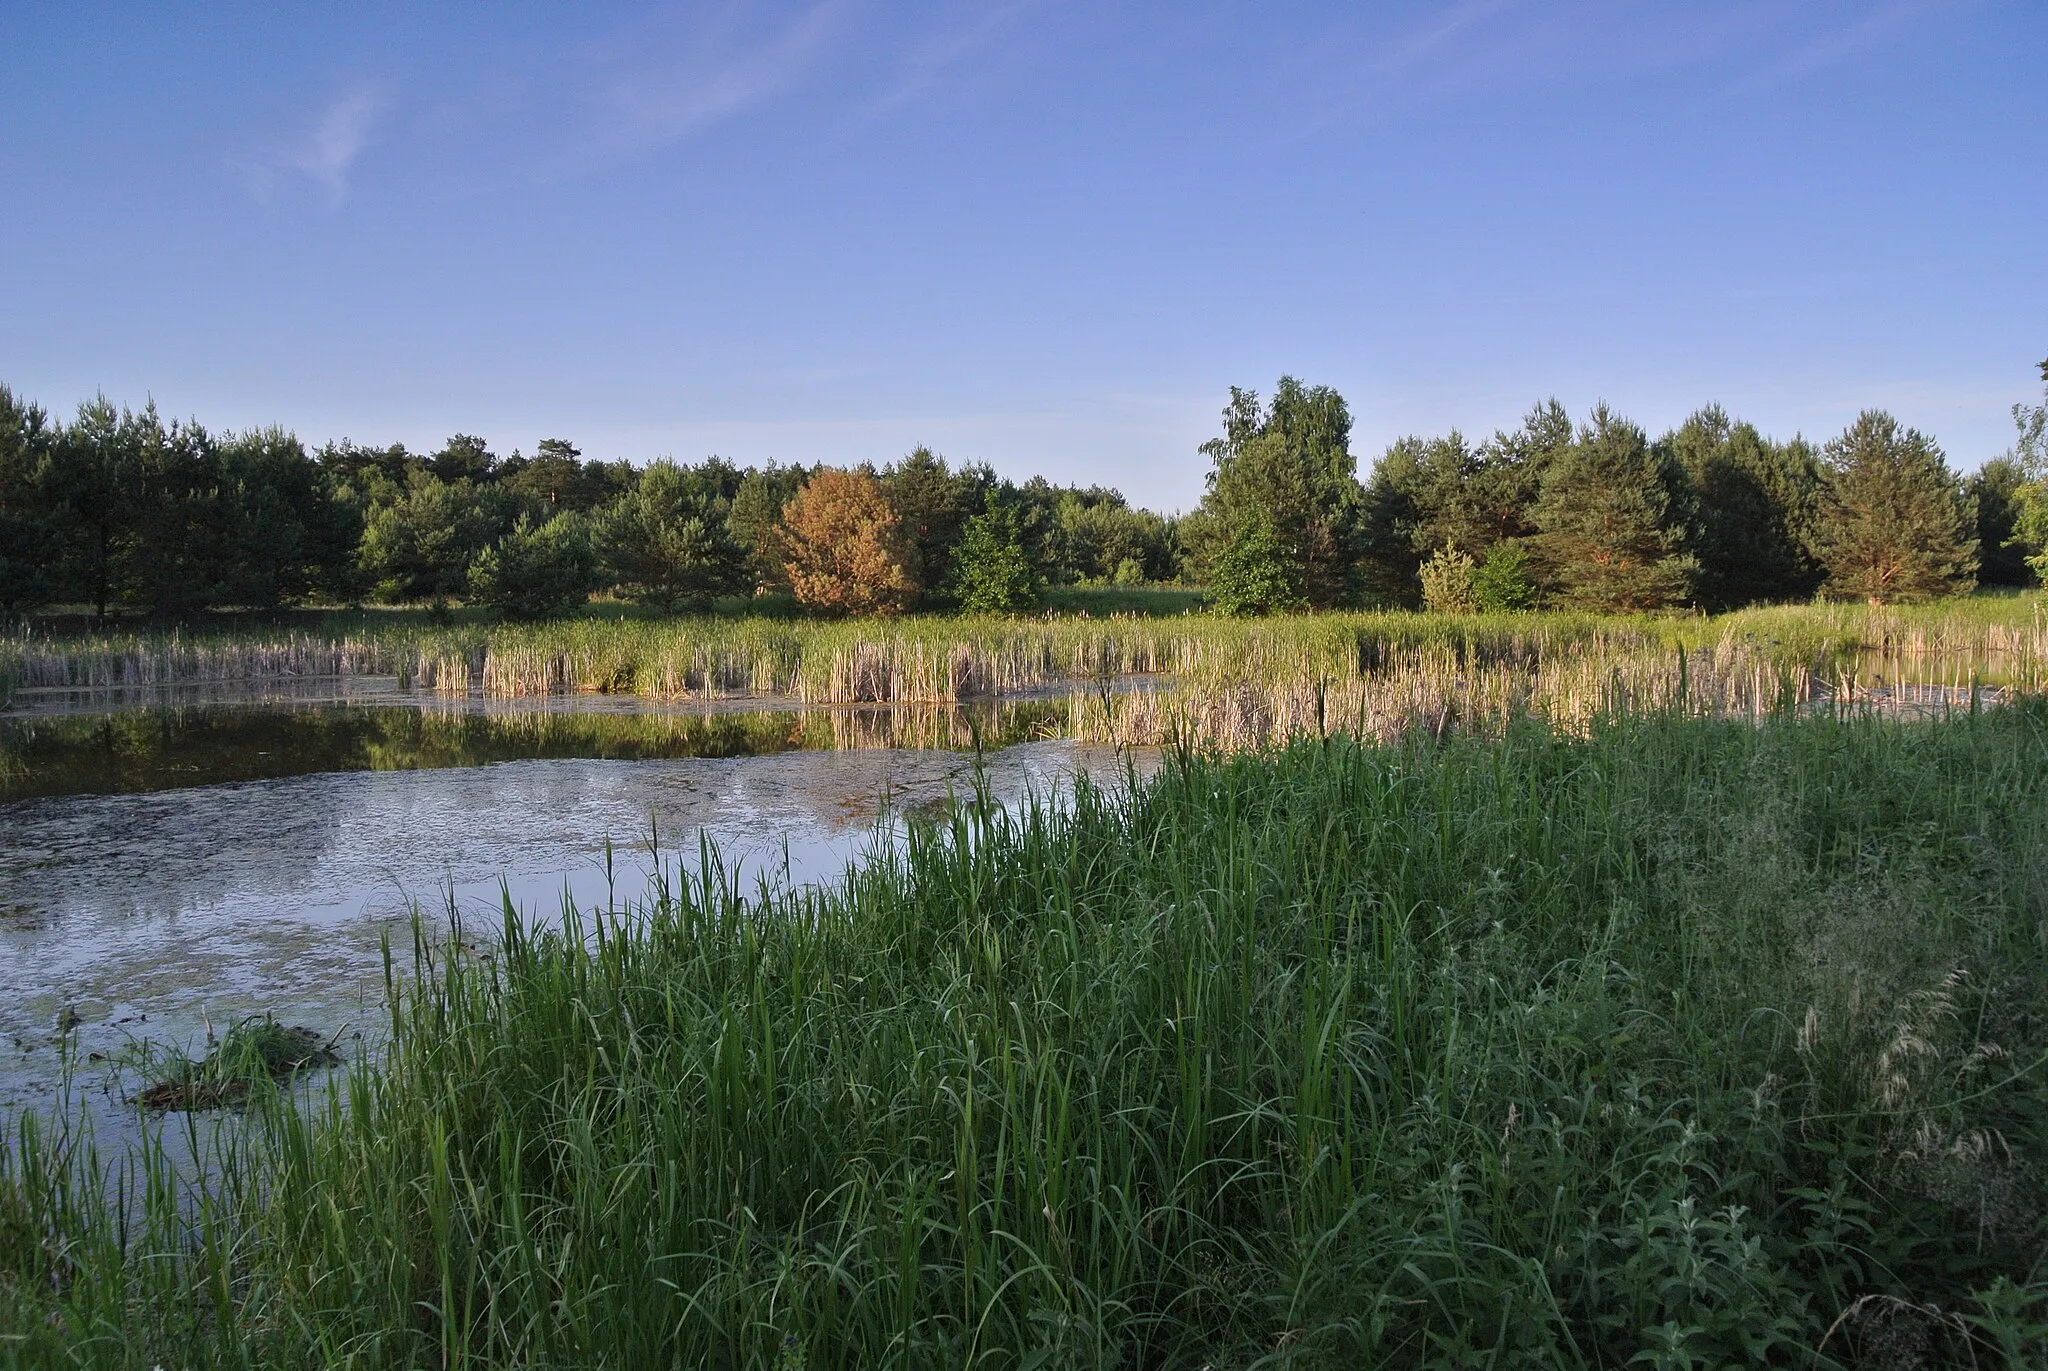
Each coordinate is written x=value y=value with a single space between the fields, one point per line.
x=1685 y=1042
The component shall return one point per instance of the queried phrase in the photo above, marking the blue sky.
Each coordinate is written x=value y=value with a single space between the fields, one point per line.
x=1049 y=236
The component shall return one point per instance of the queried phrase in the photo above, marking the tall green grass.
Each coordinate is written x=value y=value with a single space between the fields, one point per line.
x=1686 y=1042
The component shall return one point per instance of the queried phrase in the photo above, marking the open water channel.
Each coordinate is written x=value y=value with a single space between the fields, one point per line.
x=170 y=865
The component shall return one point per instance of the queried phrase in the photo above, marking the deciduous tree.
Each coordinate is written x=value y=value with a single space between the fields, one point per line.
x=2001 y=552
x=991 y=572
x=2030 y=498
x=1256 y=574
x=1505 y=582
x=1288 y=465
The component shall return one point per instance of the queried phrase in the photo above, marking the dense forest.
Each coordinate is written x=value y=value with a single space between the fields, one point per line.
x=118 y=510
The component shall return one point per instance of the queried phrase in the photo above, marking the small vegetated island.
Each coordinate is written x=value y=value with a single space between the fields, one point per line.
x=1546 y=979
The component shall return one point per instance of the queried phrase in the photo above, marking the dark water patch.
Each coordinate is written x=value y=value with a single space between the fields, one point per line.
x=175 y=747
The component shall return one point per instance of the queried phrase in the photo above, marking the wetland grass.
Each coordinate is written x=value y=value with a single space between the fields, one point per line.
x=1671 y=1041
x=943 y=660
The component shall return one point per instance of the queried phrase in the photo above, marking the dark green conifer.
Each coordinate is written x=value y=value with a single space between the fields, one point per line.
x=1895 y=523
x=1611 y=521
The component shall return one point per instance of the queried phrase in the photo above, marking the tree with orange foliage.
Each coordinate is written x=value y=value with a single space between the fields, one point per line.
x=844 y=548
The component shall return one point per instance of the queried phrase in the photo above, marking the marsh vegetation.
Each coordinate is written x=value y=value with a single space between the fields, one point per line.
x=1557 y=977
x=1686 y=1040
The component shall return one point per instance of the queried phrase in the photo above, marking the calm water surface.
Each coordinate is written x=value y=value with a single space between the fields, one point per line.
x=155 y=913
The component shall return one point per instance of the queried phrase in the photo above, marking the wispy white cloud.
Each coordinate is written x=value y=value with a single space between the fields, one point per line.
x=1432 y=42
x=718 y=74
x=1479 y=45
x=927 y=64
x=1863 y=32
x=325 y=155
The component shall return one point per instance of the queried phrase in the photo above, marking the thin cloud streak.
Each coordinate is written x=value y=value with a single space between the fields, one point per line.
x=661 y=104
x=328 y=152
x=928 y=64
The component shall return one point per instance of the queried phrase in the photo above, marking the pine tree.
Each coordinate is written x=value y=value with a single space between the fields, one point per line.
x=287 y=535
x=94 y=480
x=29 y=539
x=1447 y=582
x=1895 y=523
x=844 y=549
x=754 y=522
x=1426 y=494
x=935 y=505
x=1755 y=501
x=537 y=570
x=425 y=544
x=179 y=524
x=1611 y=521
x=668 y=545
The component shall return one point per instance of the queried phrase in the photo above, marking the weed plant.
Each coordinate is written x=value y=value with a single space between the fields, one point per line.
x=255 y=1053
x=1686 y=1042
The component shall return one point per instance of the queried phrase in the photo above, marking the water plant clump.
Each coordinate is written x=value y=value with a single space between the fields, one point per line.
x=1677 y=1041
x=255 y=1053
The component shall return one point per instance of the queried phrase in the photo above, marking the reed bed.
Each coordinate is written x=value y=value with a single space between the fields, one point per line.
x=1673 y=1041
x=1440 y=690
x=945 y=660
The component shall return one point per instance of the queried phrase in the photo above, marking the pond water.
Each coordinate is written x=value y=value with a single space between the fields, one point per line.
x=167 y=871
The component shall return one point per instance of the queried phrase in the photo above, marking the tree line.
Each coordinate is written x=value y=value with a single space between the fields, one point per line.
x=121 y=510
x=1594 y=514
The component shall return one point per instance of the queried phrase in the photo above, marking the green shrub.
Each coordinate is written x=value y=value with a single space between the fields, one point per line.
x=992 y=574
x=1505 y=583
x=537 y=571
x=1254 y=575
